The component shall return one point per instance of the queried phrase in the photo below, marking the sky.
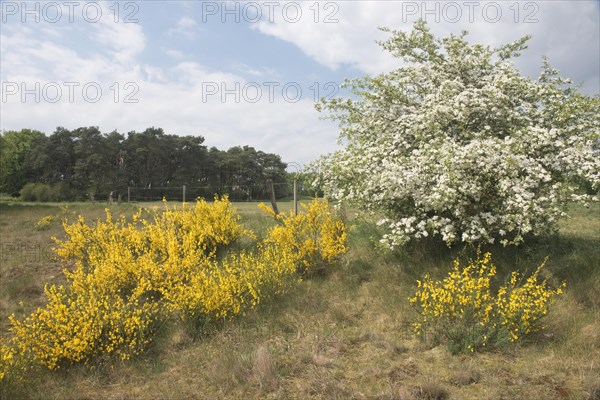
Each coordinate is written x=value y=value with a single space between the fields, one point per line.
x=246 y=72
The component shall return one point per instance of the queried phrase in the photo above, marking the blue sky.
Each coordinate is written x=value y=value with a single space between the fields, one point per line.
x=192 y=69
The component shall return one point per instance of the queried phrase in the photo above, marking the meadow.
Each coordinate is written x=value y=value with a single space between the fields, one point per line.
x=343 y=334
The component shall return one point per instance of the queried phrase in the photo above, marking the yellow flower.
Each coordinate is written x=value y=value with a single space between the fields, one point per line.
x=464 y=297
x=124 y=277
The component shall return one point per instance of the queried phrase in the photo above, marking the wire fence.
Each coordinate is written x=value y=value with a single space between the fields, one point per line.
x=254 y=192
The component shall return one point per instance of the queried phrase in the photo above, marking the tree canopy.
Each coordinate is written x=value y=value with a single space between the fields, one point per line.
x=85 y=162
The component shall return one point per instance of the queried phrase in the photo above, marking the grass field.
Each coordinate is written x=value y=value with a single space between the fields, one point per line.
x=345 y=335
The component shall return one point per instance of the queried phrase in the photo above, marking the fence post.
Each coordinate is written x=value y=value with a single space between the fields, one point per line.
x=271 y=189
x=184 y=193
x=295 y=198
x=128 y=194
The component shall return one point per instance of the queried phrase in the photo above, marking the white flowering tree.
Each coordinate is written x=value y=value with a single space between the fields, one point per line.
x=458 y=144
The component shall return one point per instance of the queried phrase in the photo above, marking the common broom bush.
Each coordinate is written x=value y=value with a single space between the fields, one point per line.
x=463 y=312
x=315 y=236
x=125 y=278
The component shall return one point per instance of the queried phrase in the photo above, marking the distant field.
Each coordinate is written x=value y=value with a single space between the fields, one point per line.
x=345 y=335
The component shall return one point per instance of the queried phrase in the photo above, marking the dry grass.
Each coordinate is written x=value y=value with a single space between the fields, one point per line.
x=345 y=335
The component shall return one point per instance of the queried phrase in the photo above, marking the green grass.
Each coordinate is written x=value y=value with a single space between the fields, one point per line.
x=345 y=335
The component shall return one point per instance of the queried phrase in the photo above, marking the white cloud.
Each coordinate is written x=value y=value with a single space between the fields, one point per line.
x=568 y=34
x=350 y=41
x=186 y=27
x=27 y=56
x=124 y=41
x=30 y=53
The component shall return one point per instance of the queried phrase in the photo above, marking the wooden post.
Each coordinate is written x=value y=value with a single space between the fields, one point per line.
x=128 y=194
x=271 y=190
x=184 y=193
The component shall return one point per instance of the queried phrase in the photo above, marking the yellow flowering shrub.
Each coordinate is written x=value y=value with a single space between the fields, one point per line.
x=521 y=308
x=224 y=288
x=8 y=369
x=314 y=236
x=80 y=323
x=165 y=234
x=45 y=222
x=127 y=277
x=463 y=312
x=119 y=276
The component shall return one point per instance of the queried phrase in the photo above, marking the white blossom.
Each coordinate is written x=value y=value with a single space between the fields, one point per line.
x=460 y=145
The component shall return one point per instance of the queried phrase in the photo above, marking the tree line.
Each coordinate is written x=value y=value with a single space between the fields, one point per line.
x=84 y=163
